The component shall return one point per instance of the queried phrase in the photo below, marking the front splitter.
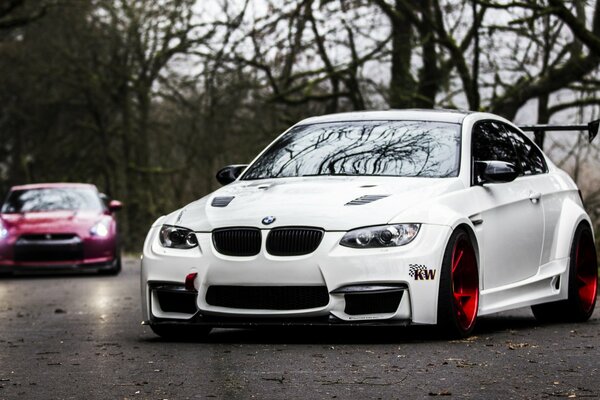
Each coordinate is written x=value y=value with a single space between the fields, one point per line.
x=235 y=322
x=67 y=268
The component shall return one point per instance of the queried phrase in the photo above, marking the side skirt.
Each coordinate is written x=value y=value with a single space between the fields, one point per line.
x=549 y=284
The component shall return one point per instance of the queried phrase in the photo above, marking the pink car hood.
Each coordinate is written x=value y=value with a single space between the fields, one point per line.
x=78 y=222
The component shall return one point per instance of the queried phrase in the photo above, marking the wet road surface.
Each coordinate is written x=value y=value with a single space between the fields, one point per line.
x=74 y=337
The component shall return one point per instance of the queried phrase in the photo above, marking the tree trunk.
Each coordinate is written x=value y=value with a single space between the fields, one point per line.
x=402 y=84
x=429 y=76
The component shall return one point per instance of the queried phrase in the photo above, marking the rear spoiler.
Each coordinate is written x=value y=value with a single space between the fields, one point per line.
x=591 y=128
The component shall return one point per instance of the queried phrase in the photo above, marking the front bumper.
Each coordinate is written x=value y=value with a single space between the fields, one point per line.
x=331 y=266
x=57 y=253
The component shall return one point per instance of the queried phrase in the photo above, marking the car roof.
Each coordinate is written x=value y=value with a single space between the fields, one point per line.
x=53 y=185
x=437 y=115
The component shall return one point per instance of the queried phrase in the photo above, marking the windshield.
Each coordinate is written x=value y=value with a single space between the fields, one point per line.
x=52 y=199
x=376 y=148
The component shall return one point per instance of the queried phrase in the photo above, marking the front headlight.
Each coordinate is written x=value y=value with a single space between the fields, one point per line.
x=175 y=237
x=381 y=236
x=100 y=229
x=3 y=231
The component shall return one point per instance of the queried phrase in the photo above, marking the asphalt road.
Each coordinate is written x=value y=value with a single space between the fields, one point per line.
x=74 y=337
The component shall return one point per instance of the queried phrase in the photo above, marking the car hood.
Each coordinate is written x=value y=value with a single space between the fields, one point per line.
x=319 y=202
x=51 y=221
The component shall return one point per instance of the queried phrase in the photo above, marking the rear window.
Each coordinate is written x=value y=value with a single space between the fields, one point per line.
x=52 y=199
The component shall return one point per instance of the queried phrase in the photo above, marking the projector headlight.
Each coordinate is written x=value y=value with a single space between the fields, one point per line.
x=175 y=237
x=380 y=236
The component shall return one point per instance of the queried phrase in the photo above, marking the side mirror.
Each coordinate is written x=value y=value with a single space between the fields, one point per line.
x=230 y=173
x=114 y=205
x=494 y=172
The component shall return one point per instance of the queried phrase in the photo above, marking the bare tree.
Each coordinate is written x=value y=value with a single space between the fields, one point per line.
x=17 y=13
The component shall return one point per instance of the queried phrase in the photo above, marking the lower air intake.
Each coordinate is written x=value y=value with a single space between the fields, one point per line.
x=174 y=298
x=268 y=297
x=50 y=248
x=372 y=303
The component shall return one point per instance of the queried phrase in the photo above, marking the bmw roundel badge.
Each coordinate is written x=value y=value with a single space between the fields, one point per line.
x=268 y=220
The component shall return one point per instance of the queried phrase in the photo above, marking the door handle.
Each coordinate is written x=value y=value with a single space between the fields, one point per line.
x=535 y=197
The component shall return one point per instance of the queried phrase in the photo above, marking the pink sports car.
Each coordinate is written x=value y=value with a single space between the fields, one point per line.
x=58 y=226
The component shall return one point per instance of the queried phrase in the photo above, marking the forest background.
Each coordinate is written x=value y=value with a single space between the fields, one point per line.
x=147 y=99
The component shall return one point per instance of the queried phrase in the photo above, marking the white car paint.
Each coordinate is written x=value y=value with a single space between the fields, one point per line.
x=522 y=245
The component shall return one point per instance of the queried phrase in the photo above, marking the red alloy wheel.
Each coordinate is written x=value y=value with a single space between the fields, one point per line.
x=465 y=283
x=586 y=272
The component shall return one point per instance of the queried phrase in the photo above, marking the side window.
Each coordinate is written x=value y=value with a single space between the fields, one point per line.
x=531 y=159
x=490 y=143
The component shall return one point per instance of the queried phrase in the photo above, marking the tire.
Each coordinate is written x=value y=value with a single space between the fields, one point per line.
x=177 y=332
x=583 y=283
x=458 y=299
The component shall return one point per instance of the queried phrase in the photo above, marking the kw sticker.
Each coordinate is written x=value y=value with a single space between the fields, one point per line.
x=421 y=272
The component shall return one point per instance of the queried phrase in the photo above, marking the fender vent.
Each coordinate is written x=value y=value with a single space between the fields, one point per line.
x=369 y=198
x=221 y=201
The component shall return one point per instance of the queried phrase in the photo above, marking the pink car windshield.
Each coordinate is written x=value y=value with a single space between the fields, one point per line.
x=52 y=199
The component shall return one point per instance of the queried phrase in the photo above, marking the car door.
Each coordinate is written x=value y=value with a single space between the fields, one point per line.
x=512 y=217
x=542 y=184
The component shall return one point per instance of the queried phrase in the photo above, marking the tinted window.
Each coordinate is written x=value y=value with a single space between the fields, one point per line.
x=52 y=199
x=491 y=143
x=381 y=148
x=531 y=159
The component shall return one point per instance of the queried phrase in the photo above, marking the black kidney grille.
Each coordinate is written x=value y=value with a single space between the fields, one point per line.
x=293 y=241
x=241 y=242
x=268 y=297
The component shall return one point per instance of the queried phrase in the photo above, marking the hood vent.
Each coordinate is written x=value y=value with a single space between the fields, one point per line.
x=369 y=198
x=221 y=201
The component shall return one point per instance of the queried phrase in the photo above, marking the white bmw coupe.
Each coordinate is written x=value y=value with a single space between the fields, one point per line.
x=393 y=217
